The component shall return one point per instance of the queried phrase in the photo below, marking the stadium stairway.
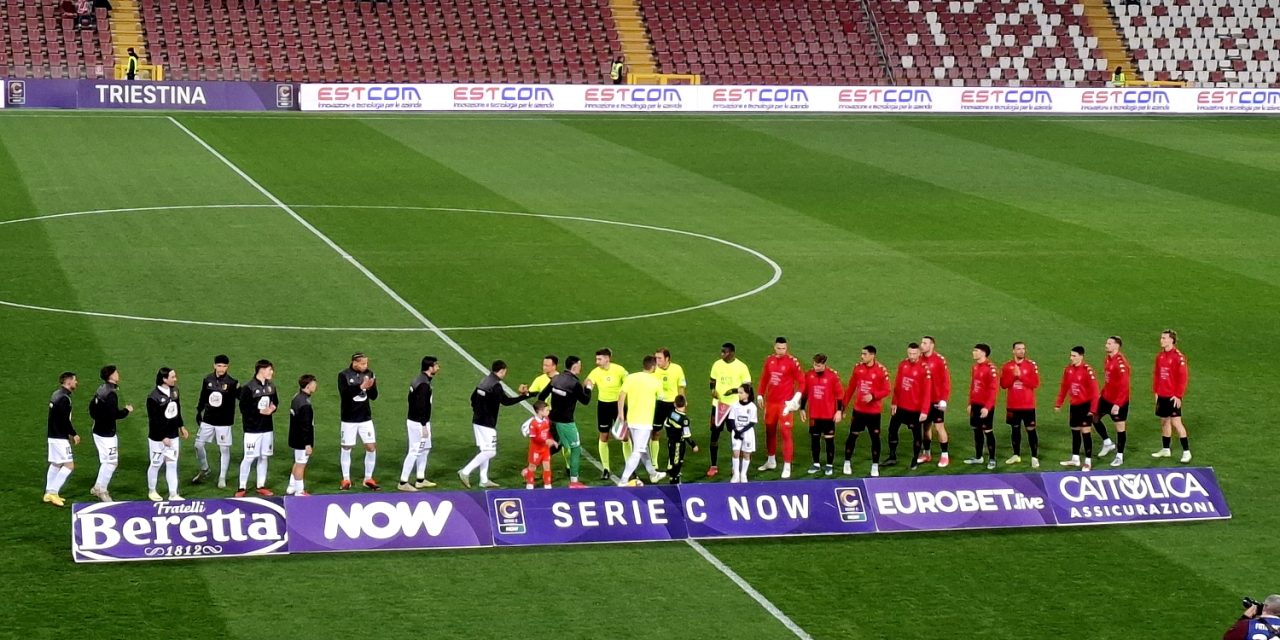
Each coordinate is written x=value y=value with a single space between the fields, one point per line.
x=1107 y=30
x=634 y=36
x=126 y=32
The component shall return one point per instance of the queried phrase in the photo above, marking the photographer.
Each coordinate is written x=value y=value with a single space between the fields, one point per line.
x=1260 y=621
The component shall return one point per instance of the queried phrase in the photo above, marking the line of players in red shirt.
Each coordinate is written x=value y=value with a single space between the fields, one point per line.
x=921 y=388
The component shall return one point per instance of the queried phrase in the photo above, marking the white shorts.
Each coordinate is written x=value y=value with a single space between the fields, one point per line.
x=486 y=438
x=259 y=444
x=300 y=456
x=747 y=444
x=209 y=433
x=60 y=451
x=365 y=429
x=419 y=437
x=108 y=449
x=158 y=453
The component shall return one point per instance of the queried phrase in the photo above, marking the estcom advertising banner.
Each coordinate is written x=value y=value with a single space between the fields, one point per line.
x=143 y=530
x=783 y=99
x=802 y=507
x=1139 y=495
x=426 y=520
x=937 y=503
x=598 y=514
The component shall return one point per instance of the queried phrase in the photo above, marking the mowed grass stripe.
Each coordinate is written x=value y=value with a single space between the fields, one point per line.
x=1247 y=143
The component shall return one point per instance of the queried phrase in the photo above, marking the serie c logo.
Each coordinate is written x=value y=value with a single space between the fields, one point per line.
x=510 y=512
x=850 y=504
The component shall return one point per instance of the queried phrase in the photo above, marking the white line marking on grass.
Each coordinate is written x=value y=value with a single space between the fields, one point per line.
x=777 y=270
x=702 y=551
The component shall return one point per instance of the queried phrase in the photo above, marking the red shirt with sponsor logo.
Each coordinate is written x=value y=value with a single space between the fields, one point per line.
x=781 y=377
x=1169 y=380
x=984 y=384
x=1116 y=390
x=913 y=389
x=867 y=379
x=1021 y=389
x=940 y=373
x=822 y=394
x=1080 y=385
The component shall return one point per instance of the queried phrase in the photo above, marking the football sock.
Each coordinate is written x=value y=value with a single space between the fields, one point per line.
x=171 y=477
x=345 y=457
x=1075 y=442
x=715 y=448
x=201 y=455
x=1088 y=443
x=245 y=466
x=410 y=461
x=484 y=465
x=626 y=449
x=1033 y=441
x=49 y=476
x=603 y=449
x=1101 y=429
x=926 y=444
x=654 y=450
x=224 y=462
x=546 y=477
x=422 y=464
x=262 y=471
x=1165 y=441
x=942 y=447
x=1186 y=443
x=1122 y=437
x=153 y=473
x=831 y=450
x=104 y=475
x=815 y=446
x=1017 y=440
x=977 y=443
x=916 y=442
x=575 y=461
x=850 y=444
x=875 y=447
x=990 y=437
x=370 y=458
x=59 y=477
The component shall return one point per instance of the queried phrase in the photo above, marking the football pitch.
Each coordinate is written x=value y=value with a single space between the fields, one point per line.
x=156 y=240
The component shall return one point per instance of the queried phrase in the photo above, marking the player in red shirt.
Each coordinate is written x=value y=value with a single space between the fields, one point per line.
x=1169 y=382
x=1115 y=400
x=911 y=393
x=780 y=382
x=822 y=399
x=1080 y=385
x=941 y=375
x=864 y=397
x=538 y=430
x=984 y=384
x=1020 y=377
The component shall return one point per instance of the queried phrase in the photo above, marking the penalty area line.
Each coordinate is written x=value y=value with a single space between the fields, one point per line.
x=466 y=355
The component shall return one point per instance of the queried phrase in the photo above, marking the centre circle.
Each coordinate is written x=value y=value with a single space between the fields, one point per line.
x=772 y=265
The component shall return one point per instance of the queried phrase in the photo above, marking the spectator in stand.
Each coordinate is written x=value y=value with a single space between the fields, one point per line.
x=1117 y=78
x=616 y=71
x=131 y=67
x=85 y=19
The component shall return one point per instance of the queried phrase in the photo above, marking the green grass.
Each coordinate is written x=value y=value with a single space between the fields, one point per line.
x=1054 y=231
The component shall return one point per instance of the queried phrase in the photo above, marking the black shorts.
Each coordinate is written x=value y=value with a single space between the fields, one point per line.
x=905 y=416
x=1104 y=411
x=606 y=415
x=936 y=415
x=977 y=421
x=661 y=412
x=822 y=427
x=1165 y=408
x=1020 y=417
x=1080 y=416
x=863 y=421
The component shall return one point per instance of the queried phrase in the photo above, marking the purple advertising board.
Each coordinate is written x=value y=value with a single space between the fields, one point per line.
x=935 y=503
x=177 y=530
x=603 y=514
x=1136 y=495
x=374 y=522
x=115 y=94
x=802 y=507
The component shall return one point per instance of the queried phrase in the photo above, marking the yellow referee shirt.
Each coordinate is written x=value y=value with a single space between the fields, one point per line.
x=642 y=389
x=608 y=383
x=539 y=383
x=729 y=376
x=672 y=381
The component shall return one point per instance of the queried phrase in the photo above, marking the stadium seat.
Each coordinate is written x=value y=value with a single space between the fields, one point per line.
x=1211 y=43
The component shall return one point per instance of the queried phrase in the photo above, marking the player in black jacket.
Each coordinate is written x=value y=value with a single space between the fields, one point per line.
x=62 y=436
x=302 y=433
x=486 y=400
x=164 y=427
x=106 y=411
x=418 y=425
x=357 y=387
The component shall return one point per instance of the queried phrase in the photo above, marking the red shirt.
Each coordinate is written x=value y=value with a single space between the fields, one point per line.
x=1080 y=385
x=940 y=373
x=781 y=378
x=913 y=388
x=539 y=433
x=822 y=394
x=872 y=379
x=1022 y=390
x=1116 y=391
x=984 y=385
x=1169 y=380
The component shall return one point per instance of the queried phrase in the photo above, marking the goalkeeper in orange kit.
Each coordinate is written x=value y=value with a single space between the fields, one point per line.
x=538 y=430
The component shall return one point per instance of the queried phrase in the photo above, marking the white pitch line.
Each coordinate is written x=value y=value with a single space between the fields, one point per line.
x=702 y=551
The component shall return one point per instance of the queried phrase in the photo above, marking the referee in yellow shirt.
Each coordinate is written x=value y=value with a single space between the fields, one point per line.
x=673 y=385
x=727 y=375
x=607 y=379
